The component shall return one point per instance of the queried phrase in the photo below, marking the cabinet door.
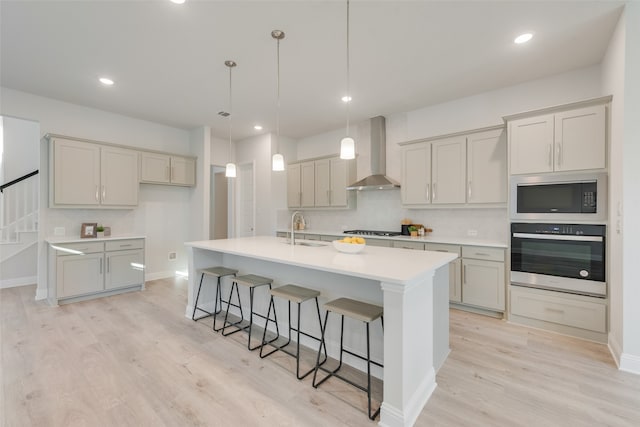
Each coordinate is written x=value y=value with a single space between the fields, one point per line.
x=119 y=177
x=124 y=268
x=416 y=174
x=483 y=283
x=307 y=184
x=183 y=171
x=79 y=274
x=155 y=168
x=76 y=173
x=322 y=183
x=448 y=170
x=487 y=167
x=294 y=195
x=340 y=175
x=531 y=144
x=580 y=139
x=455 y=283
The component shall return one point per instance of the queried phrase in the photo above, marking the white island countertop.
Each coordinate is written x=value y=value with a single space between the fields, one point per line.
x=399 y=266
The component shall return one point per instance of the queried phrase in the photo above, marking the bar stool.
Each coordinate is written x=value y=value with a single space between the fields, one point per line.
x=357 y=310
x=217 y=272
x=298 y=295
x=251 y=281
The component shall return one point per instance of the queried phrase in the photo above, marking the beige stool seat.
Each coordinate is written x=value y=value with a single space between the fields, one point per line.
x=294 y=293
x=357 y=310
x=218 y=273
x=252 y=281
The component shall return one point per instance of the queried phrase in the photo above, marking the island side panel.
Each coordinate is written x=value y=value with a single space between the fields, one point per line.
x=441 y=348
x=409 y=375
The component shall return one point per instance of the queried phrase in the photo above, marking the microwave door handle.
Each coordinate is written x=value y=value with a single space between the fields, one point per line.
x=558 y=237
x=549 y=155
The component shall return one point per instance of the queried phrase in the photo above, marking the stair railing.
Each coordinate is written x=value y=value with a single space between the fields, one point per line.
x=19 y=206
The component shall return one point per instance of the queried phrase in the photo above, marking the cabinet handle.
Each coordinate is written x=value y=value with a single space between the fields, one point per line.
x=469 y=190
x=549 y=153
x=108 y=263
x=426 y=192
x=482 y=254
x=554 y=310
x=100 y=265
x=125 y=246
x=441 y=250
x=104 y=193
x=172 y=172
x=97 y=194
x=559 y=154
x=464 y=274
x=299 y=198
x=433 y=193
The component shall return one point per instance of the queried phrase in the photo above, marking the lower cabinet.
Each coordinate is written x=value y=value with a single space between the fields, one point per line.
x=455 y=282
x=483 y=277
x=81 y=270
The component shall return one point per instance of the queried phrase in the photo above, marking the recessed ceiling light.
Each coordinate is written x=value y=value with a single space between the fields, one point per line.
x=346 y=98
x=178 y=1
x=523 y=38
x=106 y=81
x=257 y=127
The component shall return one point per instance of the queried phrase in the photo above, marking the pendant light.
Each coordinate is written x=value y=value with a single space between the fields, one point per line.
x=348 y=144
x=230 y=170
x=277 y=163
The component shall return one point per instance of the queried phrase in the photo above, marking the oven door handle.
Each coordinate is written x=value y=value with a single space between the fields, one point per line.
x=558 y=237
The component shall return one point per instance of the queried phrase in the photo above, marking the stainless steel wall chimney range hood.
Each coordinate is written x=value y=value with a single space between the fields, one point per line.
x=378 y=151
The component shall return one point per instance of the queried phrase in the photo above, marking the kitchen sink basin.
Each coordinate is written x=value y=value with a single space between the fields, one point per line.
x=303 y=243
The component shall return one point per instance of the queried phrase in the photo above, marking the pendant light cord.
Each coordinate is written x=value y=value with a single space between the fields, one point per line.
x=348 y=90
x=230 y=112
x=278 y=97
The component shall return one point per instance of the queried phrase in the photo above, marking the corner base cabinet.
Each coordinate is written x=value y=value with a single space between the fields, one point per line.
x=84 y=270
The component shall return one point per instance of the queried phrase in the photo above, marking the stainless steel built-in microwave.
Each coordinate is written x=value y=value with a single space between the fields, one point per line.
x=566 y=197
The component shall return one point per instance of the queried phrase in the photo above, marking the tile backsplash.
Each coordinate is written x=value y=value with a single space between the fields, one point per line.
x=382 y=210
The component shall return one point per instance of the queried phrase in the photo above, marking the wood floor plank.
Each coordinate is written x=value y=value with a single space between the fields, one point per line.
x=136 y=360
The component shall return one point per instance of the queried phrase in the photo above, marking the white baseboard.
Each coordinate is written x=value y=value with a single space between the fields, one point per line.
x=41 y=294
x=615 y=349
x=159 y=275
x=391 y=416
x=630 y=363
x=18 y=281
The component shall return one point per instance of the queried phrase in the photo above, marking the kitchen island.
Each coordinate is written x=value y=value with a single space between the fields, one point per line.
x=411 y=285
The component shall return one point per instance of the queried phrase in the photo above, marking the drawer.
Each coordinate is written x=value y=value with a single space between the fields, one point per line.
x=282 y=234
x=564 y=309
x=326 y=238
x=77 y=248
x=379 y=242
x=439 y=247
x=310 y=236
x=408 y=245
x=119 y=245
x=481 y=252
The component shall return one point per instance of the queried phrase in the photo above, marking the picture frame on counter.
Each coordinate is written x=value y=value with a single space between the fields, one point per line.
x=88 y=230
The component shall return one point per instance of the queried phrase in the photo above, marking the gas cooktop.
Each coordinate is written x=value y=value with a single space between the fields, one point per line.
x=373 y=232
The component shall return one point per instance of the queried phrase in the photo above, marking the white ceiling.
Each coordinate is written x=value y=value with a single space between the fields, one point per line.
x=168 y=60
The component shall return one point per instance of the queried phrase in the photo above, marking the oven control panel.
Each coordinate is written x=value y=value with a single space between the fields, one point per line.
x=561 y=229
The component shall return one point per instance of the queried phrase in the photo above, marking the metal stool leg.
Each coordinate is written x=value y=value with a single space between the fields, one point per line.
x=226 y=323
x=195 y=305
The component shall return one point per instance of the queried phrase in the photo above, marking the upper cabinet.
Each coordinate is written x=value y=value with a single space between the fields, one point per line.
x=158 y=168
x=558 y=141
x=92 y=175
x=468 y=167
x=487 y=167
x=320 y=183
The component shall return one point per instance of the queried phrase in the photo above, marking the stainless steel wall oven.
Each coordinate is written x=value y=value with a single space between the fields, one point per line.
x=560 y=257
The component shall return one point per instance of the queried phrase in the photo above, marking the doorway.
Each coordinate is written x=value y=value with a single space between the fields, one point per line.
x=245 y=191
x=219 y=220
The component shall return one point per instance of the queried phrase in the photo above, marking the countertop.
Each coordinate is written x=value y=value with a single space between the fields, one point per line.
x=392 y=265
x=469 y=241
x=78 y=239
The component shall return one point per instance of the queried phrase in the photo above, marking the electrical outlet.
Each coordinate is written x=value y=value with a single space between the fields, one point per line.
x=472 y=233
x=58 y=231
x=172 y=256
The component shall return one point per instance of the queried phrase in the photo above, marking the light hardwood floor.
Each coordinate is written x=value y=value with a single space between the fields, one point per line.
x=135 y=360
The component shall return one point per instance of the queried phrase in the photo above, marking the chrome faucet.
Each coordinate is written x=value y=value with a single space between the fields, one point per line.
x=293 y=234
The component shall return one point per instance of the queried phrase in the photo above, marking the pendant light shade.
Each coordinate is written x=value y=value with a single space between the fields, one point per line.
x=347 y=144
x=277 y=162
x=230 y=170
x=347 y=148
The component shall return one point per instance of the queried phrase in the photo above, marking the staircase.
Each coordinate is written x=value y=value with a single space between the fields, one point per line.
x=19 y=201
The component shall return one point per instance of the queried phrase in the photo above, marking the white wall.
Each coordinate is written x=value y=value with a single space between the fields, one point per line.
x=162 y=215
x=613 y=82
x=630 y=359
x=19 y=148
x=382 y=210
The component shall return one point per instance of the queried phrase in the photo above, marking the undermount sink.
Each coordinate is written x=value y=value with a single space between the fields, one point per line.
x=304 y=243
